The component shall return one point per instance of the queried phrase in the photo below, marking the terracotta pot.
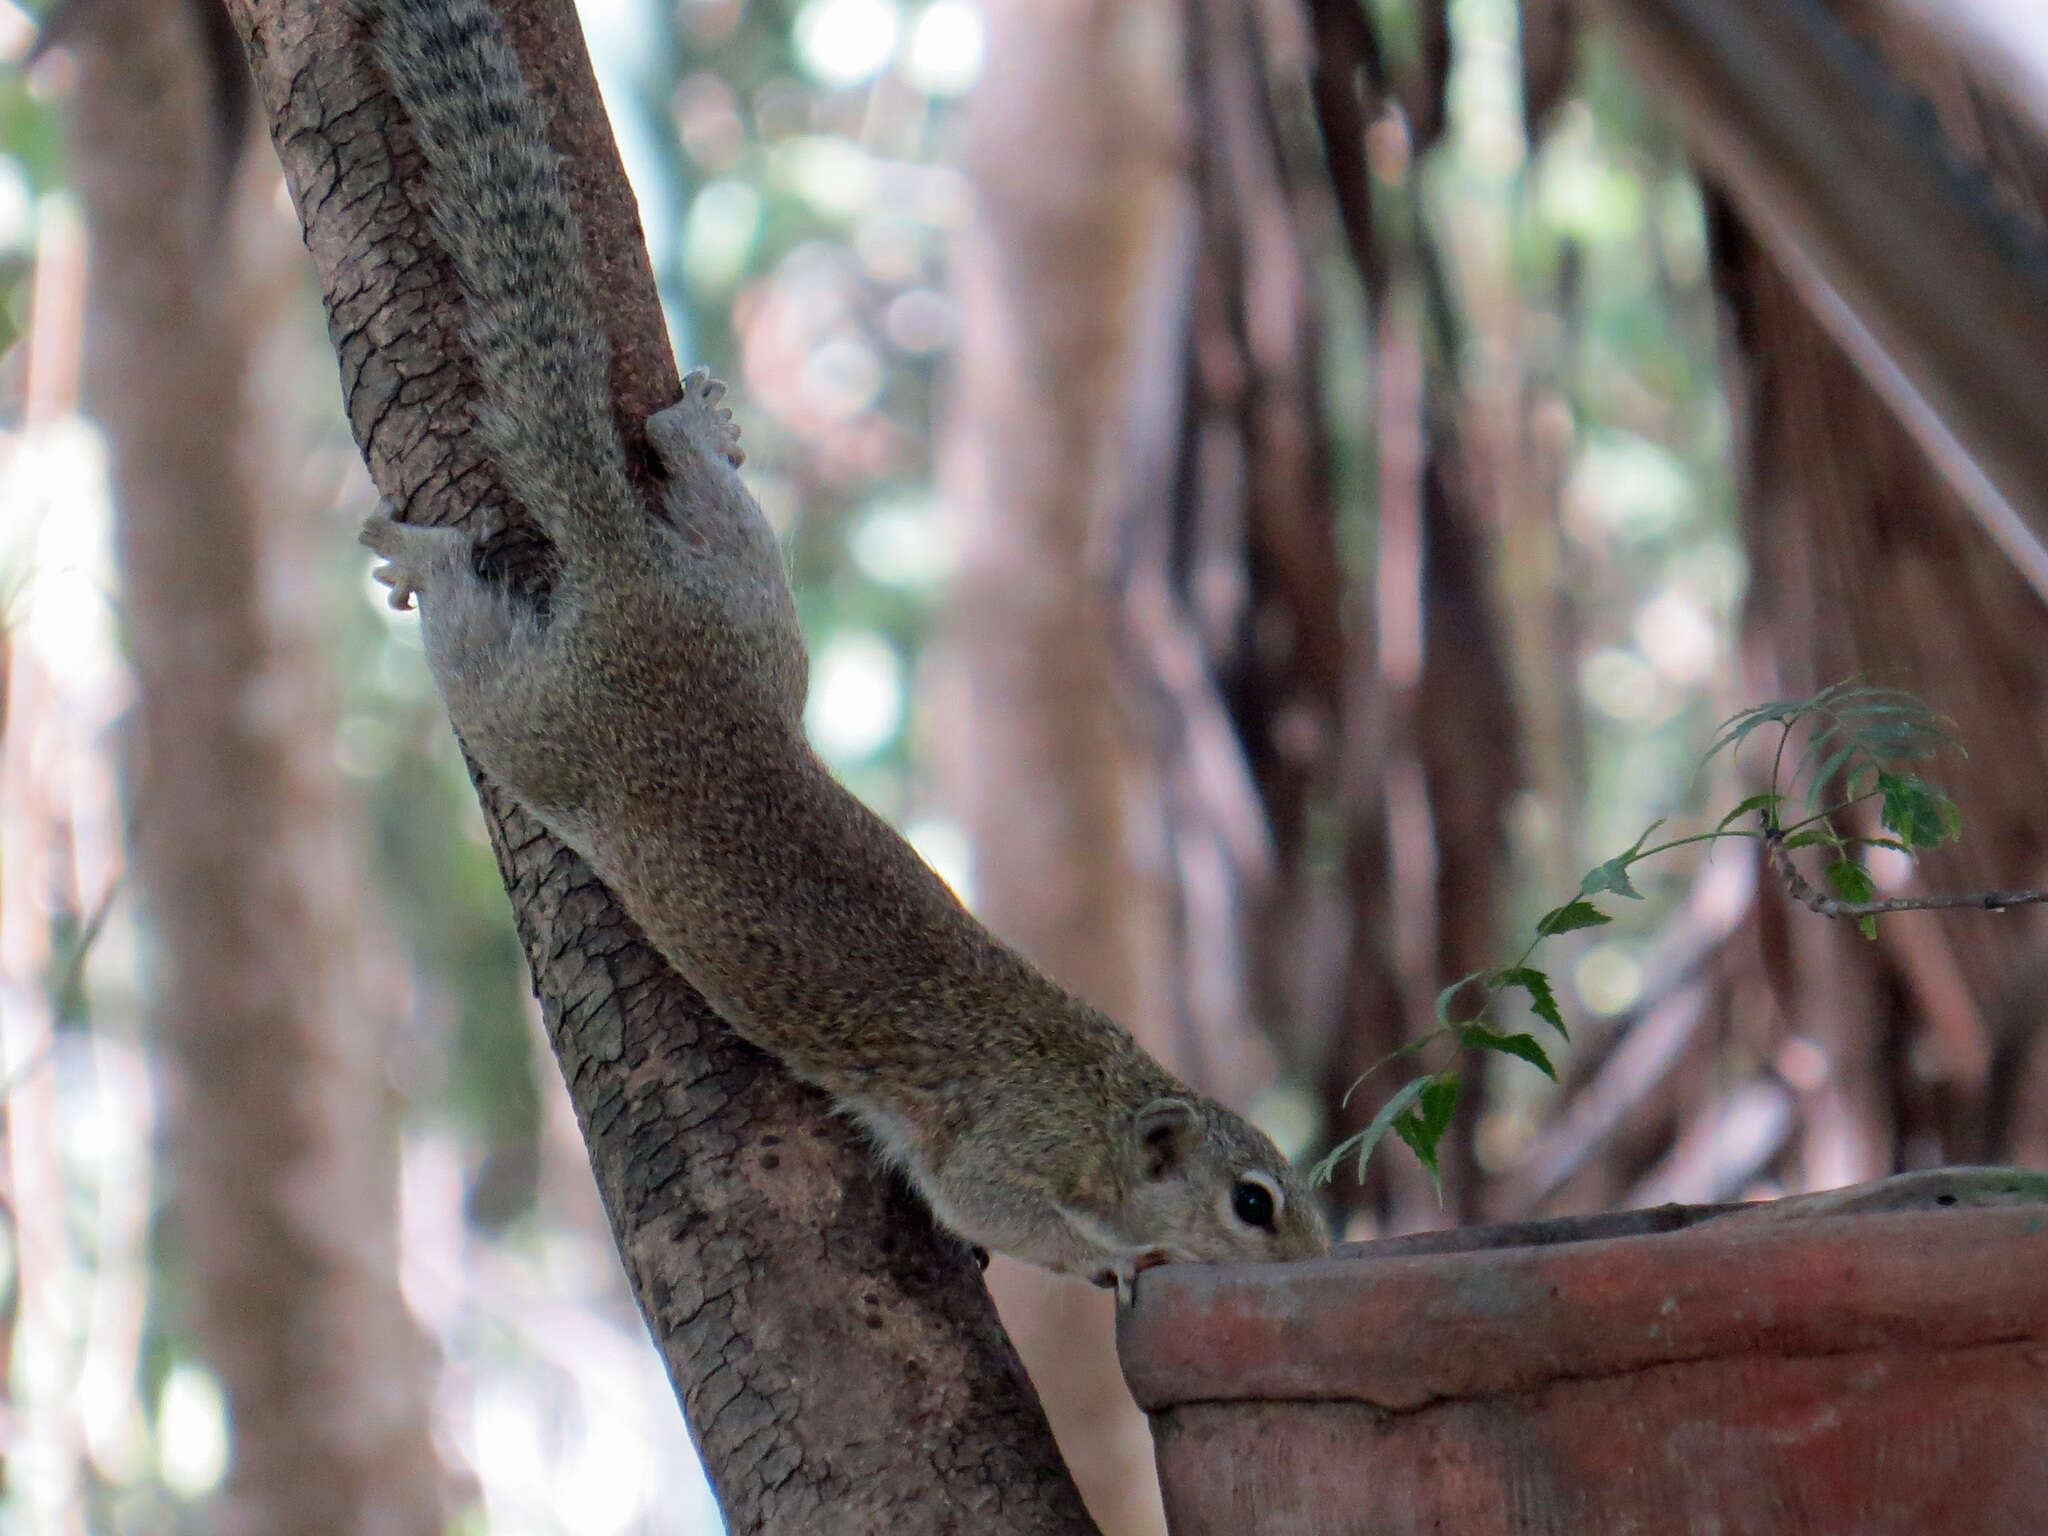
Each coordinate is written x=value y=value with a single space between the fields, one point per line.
x=1842 y=1375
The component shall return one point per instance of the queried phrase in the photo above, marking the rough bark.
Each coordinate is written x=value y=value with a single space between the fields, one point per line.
x=279 y=1119
x=838 y=1359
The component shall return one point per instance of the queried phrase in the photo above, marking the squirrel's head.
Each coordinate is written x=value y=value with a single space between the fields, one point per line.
x=1197 y=1184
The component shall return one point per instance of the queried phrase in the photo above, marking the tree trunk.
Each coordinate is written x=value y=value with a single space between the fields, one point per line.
x=837 y=1357
x=279 y=1118
x=1431 y=721
x=1865 y=562
x=1834 y=1058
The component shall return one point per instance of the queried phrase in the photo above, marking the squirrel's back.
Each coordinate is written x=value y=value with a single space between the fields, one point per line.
x=501 y=212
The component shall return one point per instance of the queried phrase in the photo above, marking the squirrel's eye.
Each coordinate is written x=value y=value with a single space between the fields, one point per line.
x=1251 y=1202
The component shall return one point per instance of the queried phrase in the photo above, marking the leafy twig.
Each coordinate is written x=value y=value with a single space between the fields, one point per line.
x=1803 y=891
x=1864 y=739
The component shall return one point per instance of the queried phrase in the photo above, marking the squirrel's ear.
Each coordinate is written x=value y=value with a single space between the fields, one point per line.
x=1164 y=1133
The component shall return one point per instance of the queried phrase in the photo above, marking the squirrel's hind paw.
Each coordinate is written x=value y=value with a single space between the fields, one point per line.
x=413 y=556
x=698 y=420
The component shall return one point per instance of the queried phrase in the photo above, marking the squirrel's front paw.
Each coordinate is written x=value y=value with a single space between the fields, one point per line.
x=699 y=420
x=414 y=557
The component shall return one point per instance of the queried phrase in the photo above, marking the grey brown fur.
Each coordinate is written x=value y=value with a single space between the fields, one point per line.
x=650 y=714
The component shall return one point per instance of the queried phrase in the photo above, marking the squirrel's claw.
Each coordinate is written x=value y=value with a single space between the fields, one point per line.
x=410 y=554
x=385 y=535
x=700 y=419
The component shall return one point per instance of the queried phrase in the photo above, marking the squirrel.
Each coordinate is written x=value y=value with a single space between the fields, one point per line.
x=648 y=709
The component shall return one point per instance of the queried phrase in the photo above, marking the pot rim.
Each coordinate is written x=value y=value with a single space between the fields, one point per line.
x=1400 y=1330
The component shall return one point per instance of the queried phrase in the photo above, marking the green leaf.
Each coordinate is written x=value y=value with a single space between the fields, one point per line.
x=1877 y=702
x=1423 y=1127
x=1613 y=875
x=1855 y=729
x=1411 y=1130
x=1764 y=805
x=1817 y=742
x=1824 y=775
x=1849 y=880
x=1921 y=815
x=1571 y=916
x=1366 y=1140
x=1899 y=740
x=1542 y=1001
x=1439 y=1100
x=1809 y=837
x=1857 y=698
x=1888 y=724
x=1737 y=727
x=1480 y=1038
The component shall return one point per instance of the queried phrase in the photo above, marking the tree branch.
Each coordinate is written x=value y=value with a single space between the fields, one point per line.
x=1806 y=894
x=838 y=1358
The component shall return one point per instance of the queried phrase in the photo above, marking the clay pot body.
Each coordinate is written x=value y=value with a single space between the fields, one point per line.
x=1853 y=1375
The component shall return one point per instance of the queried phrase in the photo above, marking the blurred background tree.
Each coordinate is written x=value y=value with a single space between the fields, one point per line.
x=1275 y=491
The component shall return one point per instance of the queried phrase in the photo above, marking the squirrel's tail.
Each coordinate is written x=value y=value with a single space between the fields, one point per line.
x=502 y=213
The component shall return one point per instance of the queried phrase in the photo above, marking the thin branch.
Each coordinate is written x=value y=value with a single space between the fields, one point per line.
x=1803 y=891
